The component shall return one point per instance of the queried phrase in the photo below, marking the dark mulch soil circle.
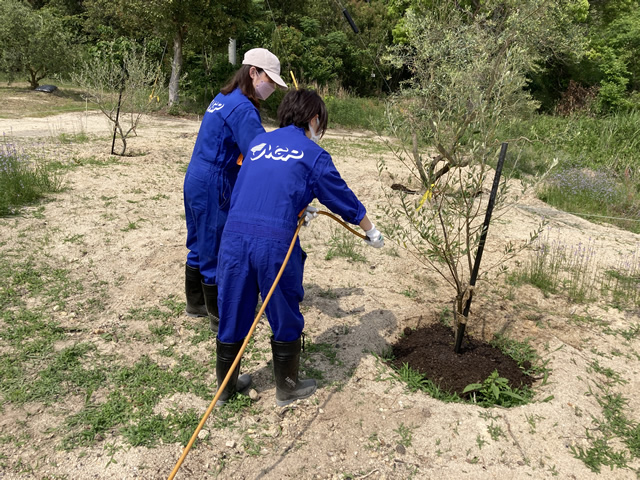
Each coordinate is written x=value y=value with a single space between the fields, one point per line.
x=429 y=350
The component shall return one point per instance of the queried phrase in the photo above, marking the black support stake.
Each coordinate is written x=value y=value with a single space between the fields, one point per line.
x=354 y=27
x=115 y=125
x=483 y=237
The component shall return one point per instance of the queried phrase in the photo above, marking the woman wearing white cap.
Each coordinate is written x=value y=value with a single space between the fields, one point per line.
x=231 y=121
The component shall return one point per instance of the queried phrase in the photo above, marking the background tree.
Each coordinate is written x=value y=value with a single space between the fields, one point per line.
x=469 y=64
x=33 y=43
x=185 y=25
x=314 y=40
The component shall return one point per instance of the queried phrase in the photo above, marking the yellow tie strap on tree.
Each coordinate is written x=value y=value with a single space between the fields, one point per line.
x=235 y=363
x=295 y=84
x=427 y=196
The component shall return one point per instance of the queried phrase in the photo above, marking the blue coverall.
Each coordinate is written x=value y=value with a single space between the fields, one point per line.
x=283 y=172
x=228 y=126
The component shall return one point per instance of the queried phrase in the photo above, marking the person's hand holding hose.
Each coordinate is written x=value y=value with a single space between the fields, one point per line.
x=374 y=237
x=309 y=214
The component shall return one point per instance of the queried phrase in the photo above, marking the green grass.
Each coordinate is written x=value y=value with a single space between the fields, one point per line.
x=76 y=162
x=344 y=244
x=41 y=362
x=353 y=112
x=24 y=177
x=69 y=138
x=66 y=99
x=615 y=440
x=575 y=270
x=597 y=163
x=133 y=393
x=599 y=143
x=523 y=353
x=597 y=195
x=27 y=277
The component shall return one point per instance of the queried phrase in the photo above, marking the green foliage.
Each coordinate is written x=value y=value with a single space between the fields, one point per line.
x=522 y=352
x=24 y=178
x=35 y=44
x=354 y=112
x=416 y=381
x=614 y=37
x=344 y=244
x=495 y=390
x=134 y=391
x=597 y=195
x=606 y=143
x=314 y=40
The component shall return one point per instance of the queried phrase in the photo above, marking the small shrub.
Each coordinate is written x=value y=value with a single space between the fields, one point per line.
x=24 y=178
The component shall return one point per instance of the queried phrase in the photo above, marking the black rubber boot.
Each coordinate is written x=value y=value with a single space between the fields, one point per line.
x=194 y=293
x=286 y=361
x=211 y=301
x=226 y=353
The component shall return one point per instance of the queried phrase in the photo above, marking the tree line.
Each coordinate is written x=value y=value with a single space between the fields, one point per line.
x=599 y=62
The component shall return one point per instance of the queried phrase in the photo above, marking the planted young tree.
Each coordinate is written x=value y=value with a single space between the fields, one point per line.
x=469 y=66
x=124 y=83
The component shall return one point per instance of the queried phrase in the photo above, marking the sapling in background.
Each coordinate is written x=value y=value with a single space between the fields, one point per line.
x=124 y=82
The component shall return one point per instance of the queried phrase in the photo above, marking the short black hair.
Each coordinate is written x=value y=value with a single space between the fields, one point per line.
x=301 y=105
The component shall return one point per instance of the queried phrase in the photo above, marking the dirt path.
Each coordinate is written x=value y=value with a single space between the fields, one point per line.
x=119 y=230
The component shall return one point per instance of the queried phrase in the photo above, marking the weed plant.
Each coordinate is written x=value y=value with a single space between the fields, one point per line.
x=615 y=440
x=598 y=195
x=344 y=244
x=622 y=283
x=495 y=390
x=24 y=178
x=555 y=266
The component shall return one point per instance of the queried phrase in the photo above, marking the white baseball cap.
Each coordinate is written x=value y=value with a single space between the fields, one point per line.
x=267 y=61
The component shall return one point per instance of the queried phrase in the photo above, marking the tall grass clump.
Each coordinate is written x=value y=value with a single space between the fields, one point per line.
x=598 y=171
x=598 y=195
x=24 y=178
x=600 y=143
x=622 y=283
x=555 y=266
x=354 y=112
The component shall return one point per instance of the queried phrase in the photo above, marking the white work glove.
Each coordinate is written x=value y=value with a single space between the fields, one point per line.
x=309 y=214
x=374 y=237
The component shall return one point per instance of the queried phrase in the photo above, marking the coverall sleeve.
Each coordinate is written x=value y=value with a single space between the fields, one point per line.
x=245 y=124
x=332 y=191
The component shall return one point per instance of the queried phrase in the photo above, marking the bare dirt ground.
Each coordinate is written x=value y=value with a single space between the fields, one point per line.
x=361 y=423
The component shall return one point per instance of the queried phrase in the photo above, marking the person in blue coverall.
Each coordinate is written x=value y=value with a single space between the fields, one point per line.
x=230 y=123
x=283 y=172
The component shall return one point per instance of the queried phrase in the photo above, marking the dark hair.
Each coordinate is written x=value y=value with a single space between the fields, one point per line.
x=242 y=80
x=300 y=106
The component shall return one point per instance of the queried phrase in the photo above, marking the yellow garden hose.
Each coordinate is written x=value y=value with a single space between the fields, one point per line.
x=345 y=225
x=222 y=386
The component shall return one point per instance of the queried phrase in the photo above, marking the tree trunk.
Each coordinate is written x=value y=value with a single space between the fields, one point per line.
x=33 y=79
x=176 y=67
